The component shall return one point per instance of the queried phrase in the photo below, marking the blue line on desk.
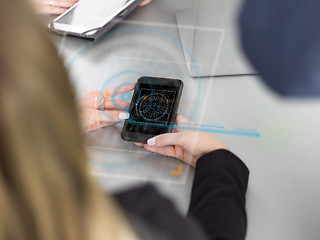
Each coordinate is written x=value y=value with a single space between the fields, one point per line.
x=198 y=127
x=223 y=131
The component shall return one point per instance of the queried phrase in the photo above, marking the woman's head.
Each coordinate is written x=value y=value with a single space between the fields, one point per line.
x=45 y=189
x=282 y=41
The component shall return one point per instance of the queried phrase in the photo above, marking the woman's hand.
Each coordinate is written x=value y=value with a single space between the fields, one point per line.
x=52 y=6
x=98 y=110
x=187 y=146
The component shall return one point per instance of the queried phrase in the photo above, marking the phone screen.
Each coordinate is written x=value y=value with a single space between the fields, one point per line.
x=93 y=13
x=153 y=108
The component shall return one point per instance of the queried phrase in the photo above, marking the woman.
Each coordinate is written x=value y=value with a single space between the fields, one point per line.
x=45 y=189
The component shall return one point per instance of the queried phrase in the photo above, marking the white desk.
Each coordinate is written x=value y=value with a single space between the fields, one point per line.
x=283 y=195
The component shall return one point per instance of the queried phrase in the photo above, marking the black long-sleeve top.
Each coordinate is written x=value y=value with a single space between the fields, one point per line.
x=217 y=204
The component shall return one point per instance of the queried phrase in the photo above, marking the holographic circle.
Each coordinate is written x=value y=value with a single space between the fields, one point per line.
x=153 y=106
x=126 y=97
x=128 y=71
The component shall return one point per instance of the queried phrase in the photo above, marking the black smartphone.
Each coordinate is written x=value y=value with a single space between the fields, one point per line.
x=153 y=108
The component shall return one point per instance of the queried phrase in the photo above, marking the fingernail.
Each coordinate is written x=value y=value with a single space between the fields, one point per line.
x=124 y=115
x=151 y=141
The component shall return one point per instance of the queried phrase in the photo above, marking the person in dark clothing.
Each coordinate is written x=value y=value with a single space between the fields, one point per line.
x=282 y=41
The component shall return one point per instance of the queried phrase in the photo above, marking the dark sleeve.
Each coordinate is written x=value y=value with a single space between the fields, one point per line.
x=158 y=215
x=218 y=195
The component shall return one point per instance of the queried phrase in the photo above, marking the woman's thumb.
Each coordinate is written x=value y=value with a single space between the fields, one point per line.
x=166 y=139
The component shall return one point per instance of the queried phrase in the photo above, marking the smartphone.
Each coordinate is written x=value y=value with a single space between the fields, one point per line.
x=89 y=15
x=153 y=108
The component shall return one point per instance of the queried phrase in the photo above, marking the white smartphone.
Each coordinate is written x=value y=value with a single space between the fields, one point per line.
x=87 y=15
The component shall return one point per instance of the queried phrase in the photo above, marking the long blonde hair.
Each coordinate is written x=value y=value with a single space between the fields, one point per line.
x=45 y=190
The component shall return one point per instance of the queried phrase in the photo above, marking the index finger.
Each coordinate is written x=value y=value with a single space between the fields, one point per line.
x=145 y=2
x=64 y=3
x=167 y=139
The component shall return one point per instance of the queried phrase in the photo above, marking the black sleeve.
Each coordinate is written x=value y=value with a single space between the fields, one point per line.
x=218 y=195
x=158 y=216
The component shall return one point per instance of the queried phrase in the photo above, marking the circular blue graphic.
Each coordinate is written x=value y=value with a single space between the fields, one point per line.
x=153 y=109
x=153 y=106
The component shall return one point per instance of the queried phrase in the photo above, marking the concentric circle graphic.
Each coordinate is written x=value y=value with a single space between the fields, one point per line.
x=110 y=81
x=153 y=106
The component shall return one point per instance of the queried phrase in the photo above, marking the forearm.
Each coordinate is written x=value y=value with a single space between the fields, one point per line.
x=218 y=195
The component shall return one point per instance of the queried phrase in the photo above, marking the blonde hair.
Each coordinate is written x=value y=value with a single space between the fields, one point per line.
x=46 y=192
